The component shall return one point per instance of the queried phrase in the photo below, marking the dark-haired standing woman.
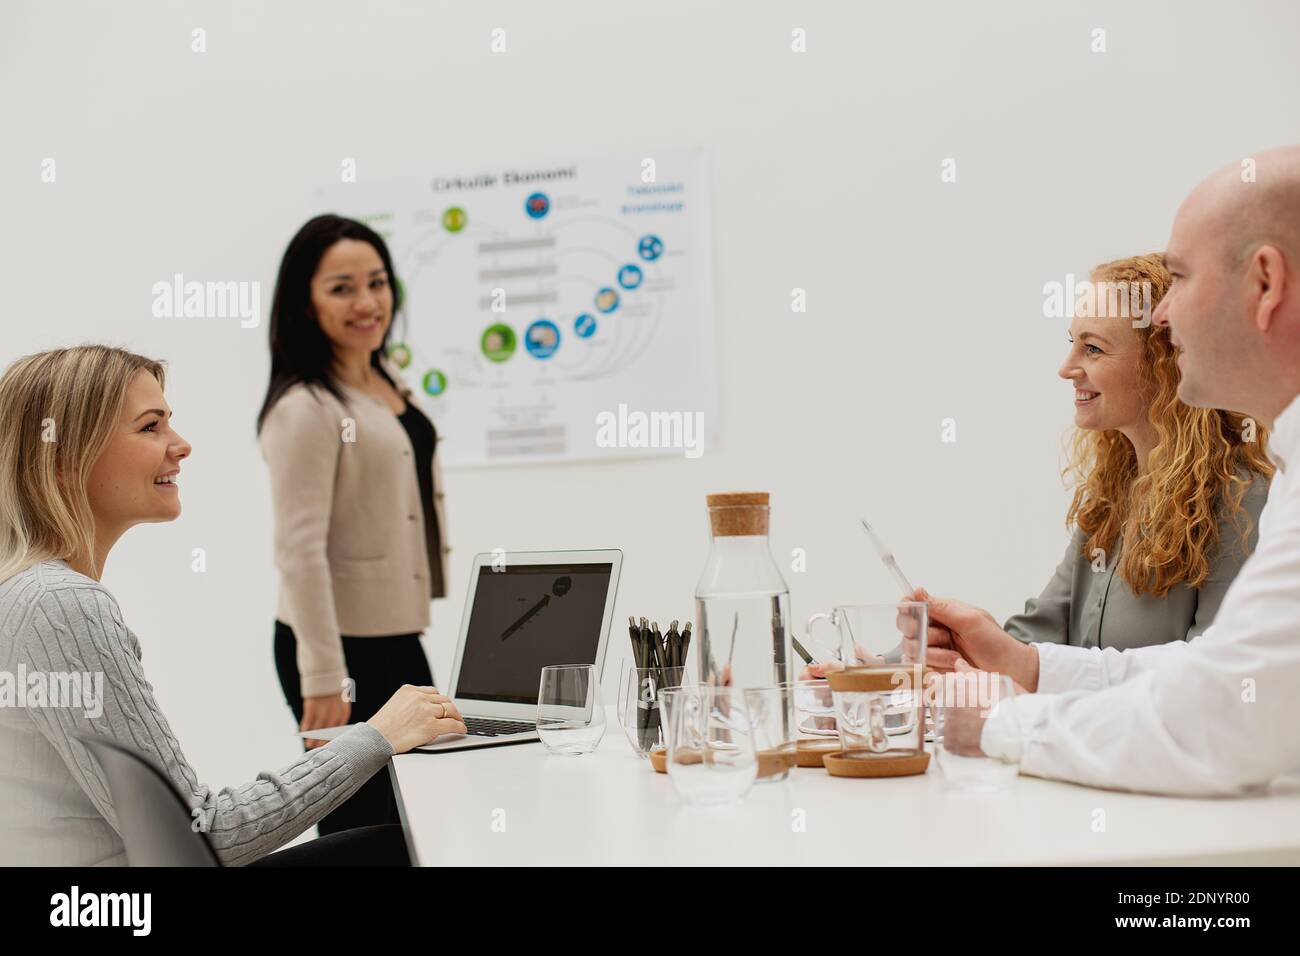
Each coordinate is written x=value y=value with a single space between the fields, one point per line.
x=356 y=492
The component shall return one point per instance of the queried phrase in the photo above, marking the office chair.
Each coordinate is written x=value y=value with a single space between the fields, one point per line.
x=153 y=819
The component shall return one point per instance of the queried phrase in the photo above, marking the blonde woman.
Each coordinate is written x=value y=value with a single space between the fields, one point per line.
x=1166 y=496
x=87 y=451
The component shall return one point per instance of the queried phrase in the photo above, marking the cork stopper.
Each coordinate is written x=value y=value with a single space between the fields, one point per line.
x=738 y=513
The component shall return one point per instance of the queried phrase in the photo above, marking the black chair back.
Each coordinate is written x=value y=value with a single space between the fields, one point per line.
x=155 y=823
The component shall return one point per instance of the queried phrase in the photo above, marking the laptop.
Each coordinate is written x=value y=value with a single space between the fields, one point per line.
x=524 y=610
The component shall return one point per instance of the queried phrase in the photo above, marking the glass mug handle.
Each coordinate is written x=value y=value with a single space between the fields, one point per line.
x=807 y=633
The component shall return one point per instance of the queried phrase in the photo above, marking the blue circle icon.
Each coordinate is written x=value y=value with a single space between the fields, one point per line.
x=650 y=248
x=542 y=338
x=607 y=300
x=585 y=325
x=629 y=277
x=537 y=205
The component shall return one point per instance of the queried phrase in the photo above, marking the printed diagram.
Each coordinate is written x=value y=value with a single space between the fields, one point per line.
x=558 y=589
x=536 y=299
x=585 y=329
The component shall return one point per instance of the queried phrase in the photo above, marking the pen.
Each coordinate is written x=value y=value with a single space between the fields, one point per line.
x=887 y=558
x=801 y=651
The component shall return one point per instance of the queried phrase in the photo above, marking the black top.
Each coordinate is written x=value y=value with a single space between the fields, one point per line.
x=424 y=439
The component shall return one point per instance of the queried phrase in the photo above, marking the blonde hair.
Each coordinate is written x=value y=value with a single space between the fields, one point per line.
x=1199 y=470
x=58 y=410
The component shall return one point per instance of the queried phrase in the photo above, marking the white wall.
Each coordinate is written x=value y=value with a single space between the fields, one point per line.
x=925 y=299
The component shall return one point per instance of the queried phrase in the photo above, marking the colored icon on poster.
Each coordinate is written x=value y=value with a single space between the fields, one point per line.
x=399 y=353
x=629 y=277
x=542 y=338
x=498 y=342
x=607 y=300
x=537 y=205
x=650 y=248
x=585 y=325
x=454 y=219
x=435 y=383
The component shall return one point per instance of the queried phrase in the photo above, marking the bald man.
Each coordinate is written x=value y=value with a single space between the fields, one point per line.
x=1219 y=715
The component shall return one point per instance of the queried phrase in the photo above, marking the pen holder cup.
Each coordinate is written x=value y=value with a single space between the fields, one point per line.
x=639 y=709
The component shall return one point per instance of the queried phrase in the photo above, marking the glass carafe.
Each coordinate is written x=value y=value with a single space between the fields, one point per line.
x=742 y=603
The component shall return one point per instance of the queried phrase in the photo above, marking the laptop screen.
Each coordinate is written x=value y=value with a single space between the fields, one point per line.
x=525 y=617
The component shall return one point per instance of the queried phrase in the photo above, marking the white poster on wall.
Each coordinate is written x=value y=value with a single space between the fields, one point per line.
x=555 y=311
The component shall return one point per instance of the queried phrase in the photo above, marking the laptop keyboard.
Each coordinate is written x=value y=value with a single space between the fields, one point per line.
x=488 y=727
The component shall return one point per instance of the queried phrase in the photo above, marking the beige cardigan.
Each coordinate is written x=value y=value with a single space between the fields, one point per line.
x=349 y=527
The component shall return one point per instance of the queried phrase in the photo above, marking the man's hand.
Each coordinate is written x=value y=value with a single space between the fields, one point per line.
x=961 y=631
x=964 y=699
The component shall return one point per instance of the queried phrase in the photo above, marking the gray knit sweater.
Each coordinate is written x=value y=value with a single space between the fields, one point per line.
x=59 y=630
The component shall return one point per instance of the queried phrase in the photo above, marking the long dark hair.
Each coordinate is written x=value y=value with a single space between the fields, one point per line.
x=300 y=349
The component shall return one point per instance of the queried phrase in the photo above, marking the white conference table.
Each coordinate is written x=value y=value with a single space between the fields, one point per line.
x=520 y=805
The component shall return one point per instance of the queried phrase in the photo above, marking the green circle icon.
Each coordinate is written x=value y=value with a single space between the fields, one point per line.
x=498 y=342
x=400 y=354
x=435 y=383
x=454 y=219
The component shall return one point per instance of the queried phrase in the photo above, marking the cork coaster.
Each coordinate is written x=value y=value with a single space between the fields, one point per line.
x=659 y=759
x=776 y=761
x=849 y=765
x=809 y=753
x=770 y=762
x=874 y=679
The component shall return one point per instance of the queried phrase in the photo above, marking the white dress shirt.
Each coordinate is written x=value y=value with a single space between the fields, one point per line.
x=1219 y=715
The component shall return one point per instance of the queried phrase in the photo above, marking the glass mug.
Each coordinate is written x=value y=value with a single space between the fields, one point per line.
x=877 y=690
x=711 y=757
x=771 y=713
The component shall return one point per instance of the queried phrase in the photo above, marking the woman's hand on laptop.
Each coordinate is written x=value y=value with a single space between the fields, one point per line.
x=416 y=715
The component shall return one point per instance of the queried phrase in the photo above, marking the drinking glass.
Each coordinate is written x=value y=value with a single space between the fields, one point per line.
x=961 y=704
x=771 y=720
x=814 y=717
x=711 y=755
x=570 y=718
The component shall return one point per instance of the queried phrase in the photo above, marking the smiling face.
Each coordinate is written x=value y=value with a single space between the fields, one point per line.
x=1105 y=366
x=352 y=297
x=134 y=479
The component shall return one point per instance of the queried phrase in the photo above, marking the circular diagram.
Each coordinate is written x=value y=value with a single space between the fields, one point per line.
x=400 y=354
x=537 y=205
x=454 y=219
x=542 y=338
x=630 y=276
x=435 y=383
x=498 y=342
x=607 y=300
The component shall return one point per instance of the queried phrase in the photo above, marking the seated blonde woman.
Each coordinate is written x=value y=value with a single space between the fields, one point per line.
x=1166 y=496
x=87 y=451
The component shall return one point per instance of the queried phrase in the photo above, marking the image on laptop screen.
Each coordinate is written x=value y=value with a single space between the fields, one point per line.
x=526 y=617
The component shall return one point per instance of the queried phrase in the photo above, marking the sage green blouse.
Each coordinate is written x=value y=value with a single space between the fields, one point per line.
x=1091 y=607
